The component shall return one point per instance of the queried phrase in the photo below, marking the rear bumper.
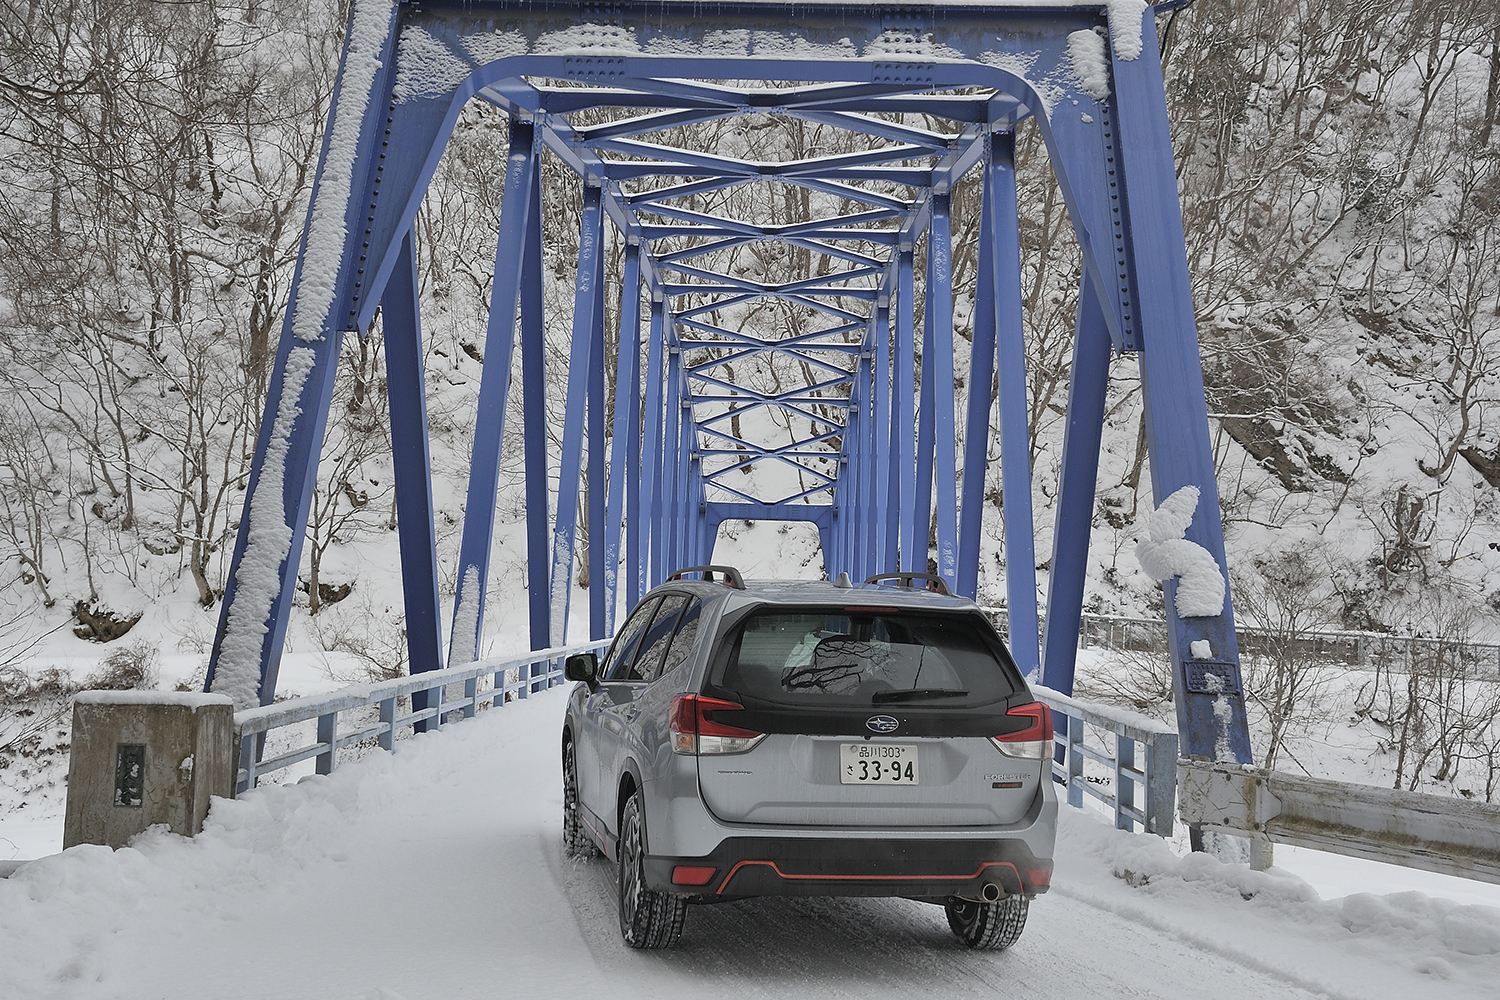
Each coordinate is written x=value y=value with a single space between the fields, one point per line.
x=805 y=866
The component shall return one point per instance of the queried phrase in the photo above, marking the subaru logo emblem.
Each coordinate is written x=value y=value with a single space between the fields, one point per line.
x=881 y=724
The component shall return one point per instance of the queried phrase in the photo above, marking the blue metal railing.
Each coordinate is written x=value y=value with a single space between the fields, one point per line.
x=534 y=671
x=1156 y=774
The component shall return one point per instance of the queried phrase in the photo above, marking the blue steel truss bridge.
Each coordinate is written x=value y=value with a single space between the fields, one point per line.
x=844 y=306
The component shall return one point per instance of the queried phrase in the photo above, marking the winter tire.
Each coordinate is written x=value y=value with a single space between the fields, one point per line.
x=648 y=918
x=987 y=926
x=576 y=841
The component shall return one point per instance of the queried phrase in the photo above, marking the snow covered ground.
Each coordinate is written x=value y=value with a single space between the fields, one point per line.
x=437 y=872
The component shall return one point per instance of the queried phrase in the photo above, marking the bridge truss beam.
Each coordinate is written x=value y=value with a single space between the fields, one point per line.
x=884 y=461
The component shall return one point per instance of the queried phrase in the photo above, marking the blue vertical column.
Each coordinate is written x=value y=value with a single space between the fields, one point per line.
x=585 y=301
x=887 y=484
x=412 y=465
x=864 y=529
x=945 y=433
x=624 y=451
x=980 y=404
x=1177 y=432
x=534 y=429
x=1015 y=435
x=494 y=389
x=687 y=480
x=670 y=466
x=921 y=510
x=904 y=426
x=1082 y=432
x=599 y=569
x=649 y=530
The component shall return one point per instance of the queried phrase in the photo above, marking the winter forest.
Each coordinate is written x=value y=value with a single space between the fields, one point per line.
x=1339 y=167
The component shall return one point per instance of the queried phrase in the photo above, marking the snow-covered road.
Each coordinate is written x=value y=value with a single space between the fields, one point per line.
x=437 y=873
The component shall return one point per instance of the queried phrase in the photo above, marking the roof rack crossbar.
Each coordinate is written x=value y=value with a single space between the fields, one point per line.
x=936 y=583
x=731 y=575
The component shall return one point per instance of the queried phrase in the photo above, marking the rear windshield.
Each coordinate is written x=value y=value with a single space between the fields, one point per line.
x=867 y=659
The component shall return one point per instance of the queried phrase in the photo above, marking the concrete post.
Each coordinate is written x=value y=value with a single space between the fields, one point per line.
x=141 y=758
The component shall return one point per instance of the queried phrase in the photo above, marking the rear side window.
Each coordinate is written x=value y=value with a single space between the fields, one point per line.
x=853 y=659
x=622 y=654
x=685 y=640
x=658 y=637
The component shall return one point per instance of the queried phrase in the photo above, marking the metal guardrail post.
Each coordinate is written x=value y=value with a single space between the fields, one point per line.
x=387 y=736
x=1124 y=785
x=1075 y=763
x=247 y=763
x=328 y=726
x=1161 y=784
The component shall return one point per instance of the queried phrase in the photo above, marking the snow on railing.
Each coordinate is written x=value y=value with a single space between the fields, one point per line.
x=1156 y=776
x=535 y=671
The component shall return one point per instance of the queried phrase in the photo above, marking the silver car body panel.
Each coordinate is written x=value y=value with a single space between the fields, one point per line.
x=788 y=786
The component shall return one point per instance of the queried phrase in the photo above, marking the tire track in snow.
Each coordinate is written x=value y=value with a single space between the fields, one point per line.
x=856 y=948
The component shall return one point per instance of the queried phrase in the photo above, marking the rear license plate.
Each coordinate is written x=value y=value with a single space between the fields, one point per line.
x=877 y=764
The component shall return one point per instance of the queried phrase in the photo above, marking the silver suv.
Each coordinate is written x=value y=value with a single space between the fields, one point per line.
x=796 y=738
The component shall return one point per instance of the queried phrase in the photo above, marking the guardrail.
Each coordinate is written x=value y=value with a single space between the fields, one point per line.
x=1156 y=775
x=536 y=671
x=1386 y=650
x=1375 y=650
x=1430 y=832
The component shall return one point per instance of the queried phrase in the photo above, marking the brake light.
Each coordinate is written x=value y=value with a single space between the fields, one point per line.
x=1035 y=741
x=697 y=730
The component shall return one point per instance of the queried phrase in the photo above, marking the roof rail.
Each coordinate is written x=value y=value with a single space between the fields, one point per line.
x=731 y=575
x=934 y=583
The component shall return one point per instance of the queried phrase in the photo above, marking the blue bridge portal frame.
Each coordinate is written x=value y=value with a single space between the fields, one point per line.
x=933 y=91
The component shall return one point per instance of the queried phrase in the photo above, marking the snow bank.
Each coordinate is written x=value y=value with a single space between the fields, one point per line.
x=1363 y=945
x=1165 y=553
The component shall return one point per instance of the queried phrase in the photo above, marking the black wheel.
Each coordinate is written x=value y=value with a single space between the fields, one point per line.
x=648 y=918
x=576 y=840
x=987 y=926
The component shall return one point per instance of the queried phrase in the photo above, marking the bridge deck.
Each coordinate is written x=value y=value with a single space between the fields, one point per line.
x=438 y=873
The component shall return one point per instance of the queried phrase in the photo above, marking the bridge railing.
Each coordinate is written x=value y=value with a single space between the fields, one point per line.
x=532 y=672
x=1155 y=776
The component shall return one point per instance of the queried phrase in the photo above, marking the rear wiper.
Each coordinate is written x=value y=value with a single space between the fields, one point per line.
x=909 y=695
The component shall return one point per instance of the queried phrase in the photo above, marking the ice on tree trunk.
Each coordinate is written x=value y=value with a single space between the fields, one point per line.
x=1165 y=553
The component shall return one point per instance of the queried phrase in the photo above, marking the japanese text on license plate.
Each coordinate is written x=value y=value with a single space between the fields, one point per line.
x=877 y=764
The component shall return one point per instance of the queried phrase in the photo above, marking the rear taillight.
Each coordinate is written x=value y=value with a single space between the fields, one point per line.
x=1035 y=741
x=697 y=728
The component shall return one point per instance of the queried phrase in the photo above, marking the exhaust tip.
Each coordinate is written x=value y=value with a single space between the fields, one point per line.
x=991 y=892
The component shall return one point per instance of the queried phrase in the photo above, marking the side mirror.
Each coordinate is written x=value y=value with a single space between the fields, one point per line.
x=582 y=667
